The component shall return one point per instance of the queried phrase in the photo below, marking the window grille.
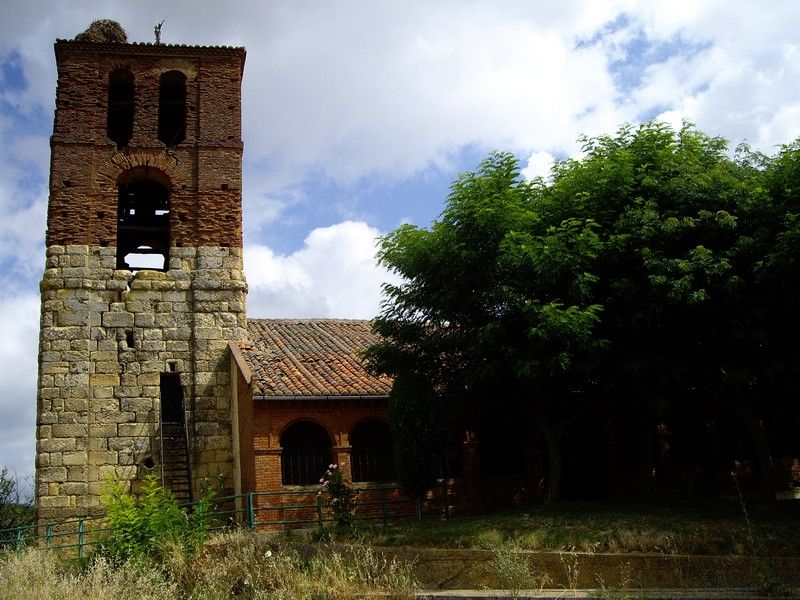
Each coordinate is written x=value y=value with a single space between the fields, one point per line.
x=371 y=457
x=306 y=453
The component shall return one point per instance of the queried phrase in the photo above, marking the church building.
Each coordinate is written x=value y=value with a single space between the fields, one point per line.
x=147 y=361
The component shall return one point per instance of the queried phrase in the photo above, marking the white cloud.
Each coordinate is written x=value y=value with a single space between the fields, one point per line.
x=539 y=165
x=333 y=275
x=18 y=352
x=346 y=90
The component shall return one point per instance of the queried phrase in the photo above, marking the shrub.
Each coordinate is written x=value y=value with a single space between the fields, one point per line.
x=341 y=498
x=15 y=507
x=139 y=527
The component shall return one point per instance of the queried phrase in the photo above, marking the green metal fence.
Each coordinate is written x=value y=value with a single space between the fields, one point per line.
x=262 y=511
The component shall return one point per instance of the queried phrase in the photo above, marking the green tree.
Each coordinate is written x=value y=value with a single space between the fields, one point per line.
x=657 y=271
x=418 y=429
x=493 y=294
x=15 y=507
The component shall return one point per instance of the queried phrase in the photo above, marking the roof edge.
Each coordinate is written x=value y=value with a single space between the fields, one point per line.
x=244 y=368
x=146 y=45
x=325 y=397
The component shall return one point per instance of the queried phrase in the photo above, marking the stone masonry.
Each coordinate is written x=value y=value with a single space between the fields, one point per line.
x=108 y=334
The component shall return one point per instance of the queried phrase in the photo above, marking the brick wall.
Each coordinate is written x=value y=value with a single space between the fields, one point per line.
x=337 y=417
x=204 y=171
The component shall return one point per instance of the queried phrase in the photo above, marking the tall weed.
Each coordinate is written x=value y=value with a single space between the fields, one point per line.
x=140 y=527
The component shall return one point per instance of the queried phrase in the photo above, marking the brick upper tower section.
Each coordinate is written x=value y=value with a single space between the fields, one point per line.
x=203 y=170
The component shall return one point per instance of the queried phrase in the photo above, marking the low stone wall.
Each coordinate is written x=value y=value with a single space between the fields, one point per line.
x=475 y=569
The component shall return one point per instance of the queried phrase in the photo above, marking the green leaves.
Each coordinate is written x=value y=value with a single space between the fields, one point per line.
x=655 y=266
x=139 y=527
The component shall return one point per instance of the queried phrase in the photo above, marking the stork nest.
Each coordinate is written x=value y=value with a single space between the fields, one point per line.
x=103 y=31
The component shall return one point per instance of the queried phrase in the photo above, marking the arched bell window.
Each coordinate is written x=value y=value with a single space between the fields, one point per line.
x=142 y=222
x=172 y=108
x=119 y=120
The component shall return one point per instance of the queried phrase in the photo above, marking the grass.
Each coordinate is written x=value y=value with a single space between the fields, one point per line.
x=238 y=564
x=712 y=527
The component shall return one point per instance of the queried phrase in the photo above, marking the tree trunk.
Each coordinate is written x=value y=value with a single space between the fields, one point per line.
x=761 y=446
x=554 y=458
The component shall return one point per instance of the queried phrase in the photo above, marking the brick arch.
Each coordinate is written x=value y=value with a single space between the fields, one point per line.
x=184 y=66
x=361 y=419
x=125 y=161
x=324 y=426
x=118 y=63
x=305 y=457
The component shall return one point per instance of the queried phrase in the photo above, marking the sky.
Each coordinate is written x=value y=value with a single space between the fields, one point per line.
x=357 y=115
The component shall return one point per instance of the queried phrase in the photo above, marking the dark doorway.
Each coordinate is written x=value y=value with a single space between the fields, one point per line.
x=171 y=398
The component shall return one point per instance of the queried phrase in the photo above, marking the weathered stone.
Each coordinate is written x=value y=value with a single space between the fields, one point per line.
x=48 y=474
x=103 y=379
x=74 y=458
x=56 y=444
x=67 y=431
x=117 y=319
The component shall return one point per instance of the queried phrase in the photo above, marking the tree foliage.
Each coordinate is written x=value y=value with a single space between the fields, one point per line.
x=15 y=507
x=658 y=269
x=417 y=427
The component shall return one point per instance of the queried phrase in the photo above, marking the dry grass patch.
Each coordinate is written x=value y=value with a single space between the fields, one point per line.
x=238 y=564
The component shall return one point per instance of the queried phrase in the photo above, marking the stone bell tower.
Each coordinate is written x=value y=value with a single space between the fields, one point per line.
x=143 y=286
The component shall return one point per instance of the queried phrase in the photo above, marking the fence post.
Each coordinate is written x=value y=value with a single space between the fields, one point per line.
x=251 y=521
x=80 y=539
x=48 y=534
x=446 y=500
x=319 y=510
x=384 y=508
x=19 y=538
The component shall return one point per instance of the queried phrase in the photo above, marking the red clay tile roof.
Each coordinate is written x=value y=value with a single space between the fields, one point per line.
x=310 y=358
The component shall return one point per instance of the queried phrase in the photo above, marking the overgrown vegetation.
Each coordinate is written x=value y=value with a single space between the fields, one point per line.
x=144 y=526
x=663 y=528
x=340 y=497
x=239 y=564
x=155 y=549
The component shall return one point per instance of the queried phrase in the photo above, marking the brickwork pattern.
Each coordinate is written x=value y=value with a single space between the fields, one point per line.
x=336 y=417
x=204 y=171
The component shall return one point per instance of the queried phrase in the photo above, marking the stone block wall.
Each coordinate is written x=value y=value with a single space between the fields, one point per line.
x=106 y=337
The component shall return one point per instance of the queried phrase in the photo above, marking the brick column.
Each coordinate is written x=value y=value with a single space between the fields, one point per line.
x=268 y=470
x=472 y=461
x=341 y=455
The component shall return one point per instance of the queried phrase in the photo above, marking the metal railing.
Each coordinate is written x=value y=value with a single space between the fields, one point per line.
x=262 y=511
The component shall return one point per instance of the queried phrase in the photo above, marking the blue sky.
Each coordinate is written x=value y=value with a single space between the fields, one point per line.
x=358 y=114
